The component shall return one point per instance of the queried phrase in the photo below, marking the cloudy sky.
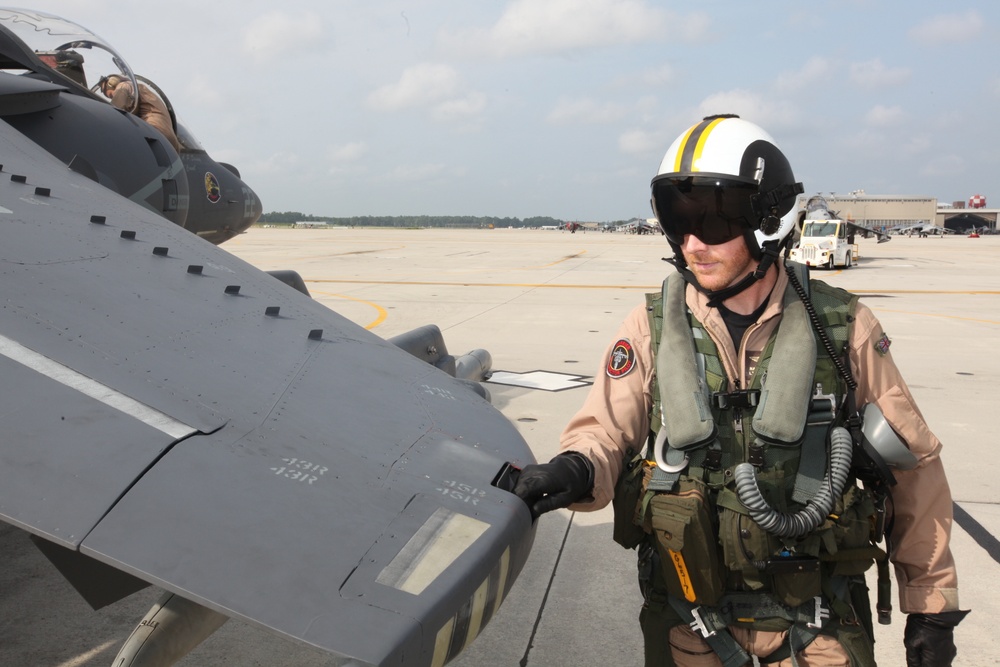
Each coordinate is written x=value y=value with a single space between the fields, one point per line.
x=563 y=108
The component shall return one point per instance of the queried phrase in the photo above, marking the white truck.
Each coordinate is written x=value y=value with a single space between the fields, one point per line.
x=826 y=240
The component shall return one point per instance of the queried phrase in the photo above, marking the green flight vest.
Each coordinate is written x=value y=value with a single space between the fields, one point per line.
x=712 y=555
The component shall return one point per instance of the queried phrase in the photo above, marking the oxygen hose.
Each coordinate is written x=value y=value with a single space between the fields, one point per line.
x=816 y=510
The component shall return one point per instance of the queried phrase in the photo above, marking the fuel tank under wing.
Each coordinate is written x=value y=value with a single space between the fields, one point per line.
x=174 y=413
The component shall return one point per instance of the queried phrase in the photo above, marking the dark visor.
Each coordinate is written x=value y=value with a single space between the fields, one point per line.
x=714 y=209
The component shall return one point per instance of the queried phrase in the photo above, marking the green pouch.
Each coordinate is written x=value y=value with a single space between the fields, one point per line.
x=794 y=589
x=844 y=541
x=628 y=492
x=684 y=535
x=745 y=545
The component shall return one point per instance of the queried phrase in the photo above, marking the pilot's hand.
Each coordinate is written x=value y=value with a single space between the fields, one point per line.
x=559 y=483
x=929 y=639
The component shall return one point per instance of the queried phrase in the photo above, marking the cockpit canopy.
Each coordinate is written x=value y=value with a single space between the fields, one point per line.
x=69 y=50
x=66 y=53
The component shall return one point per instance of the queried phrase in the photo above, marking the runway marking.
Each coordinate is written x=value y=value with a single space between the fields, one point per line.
x=544 y=380
x=645 y=288
x=949 y=317
x=382 y=312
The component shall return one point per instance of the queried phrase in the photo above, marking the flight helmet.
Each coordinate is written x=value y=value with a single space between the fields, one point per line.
x=723 y=178
x=109 y=82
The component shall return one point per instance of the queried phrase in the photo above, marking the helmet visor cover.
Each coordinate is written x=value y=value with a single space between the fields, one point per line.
x=716 y=210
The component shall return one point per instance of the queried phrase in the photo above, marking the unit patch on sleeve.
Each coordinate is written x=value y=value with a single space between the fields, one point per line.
x=882 y=345
x=622 y=359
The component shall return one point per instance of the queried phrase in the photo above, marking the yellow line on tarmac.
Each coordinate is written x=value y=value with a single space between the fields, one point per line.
x=949 y=317
x=382 y=313
x=462 y=283
x=923 y=291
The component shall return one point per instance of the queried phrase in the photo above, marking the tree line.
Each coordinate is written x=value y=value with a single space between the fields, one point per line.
x=292 y=217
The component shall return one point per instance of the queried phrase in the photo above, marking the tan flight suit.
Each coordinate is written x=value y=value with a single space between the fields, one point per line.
x=615 y=416
x=151 y=109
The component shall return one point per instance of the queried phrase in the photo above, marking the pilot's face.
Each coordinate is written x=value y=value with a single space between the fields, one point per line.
x=717 y=266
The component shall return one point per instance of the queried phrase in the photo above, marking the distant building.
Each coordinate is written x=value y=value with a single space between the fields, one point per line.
x=883 y=211
x=888 y=211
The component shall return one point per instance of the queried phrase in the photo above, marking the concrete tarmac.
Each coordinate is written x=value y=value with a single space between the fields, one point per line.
x=546 y=304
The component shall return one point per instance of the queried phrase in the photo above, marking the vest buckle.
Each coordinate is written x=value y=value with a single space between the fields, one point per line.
x=741 y=398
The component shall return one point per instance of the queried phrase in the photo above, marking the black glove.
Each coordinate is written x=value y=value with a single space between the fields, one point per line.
x=558 y=483
x=929 y=639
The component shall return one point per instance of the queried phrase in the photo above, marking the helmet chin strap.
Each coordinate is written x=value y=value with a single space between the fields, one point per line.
x=768 y=255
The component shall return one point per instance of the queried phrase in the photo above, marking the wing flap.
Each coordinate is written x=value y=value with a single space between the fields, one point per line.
x=65 y=457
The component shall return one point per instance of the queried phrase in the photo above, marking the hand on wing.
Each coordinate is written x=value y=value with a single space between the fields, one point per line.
x=559 y=483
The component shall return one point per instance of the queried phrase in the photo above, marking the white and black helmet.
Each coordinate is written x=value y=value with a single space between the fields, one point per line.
x=722 y=178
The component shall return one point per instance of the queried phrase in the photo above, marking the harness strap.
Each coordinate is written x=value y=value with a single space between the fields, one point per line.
x=708 y=623
x=812 y=459
x=711 y=623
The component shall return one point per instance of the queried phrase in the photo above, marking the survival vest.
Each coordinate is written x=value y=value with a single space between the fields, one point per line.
x=712 y=554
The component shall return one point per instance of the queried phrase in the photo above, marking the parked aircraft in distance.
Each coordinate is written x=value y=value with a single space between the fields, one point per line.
x=638 y=226
x=922 y=229
x=173 y=416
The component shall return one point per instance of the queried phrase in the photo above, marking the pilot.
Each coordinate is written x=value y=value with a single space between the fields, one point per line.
x=150 y=107
x=736 y=413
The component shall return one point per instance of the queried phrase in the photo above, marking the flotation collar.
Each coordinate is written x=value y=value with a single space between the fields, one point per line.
x=685 y=399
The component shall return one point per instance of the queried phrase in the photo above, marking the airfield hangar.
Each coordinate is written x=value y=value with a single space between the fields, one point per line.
x=883 y=212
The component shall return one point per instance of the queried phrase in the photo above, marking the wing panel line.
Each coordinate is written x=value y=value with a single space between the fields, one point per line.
x=89 y=387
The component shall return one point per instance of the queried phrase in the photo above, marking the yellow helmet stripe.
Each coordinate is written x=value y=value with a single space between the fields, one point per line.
x=693 y=144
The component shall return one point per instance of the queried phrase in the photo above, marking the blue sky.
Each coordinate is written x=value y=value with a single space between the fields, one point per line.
x=563 y=108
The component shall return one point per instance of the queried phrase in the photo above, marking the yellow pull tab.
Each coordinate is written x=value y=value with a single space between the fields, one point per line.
x=682 y=574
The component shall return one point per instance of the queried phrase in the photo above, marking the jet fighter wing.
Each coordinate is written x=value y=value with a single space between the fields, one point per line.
x=172 y=412
x=867 y=232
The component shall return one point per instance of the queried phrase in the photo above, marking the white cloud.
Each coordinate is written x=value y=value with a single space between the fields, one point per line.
x=874 y=74
x=946 y=28
x=415 y=172
x=651 y=77
x=349 y=152
x=203 y=91
x=585 y=111
x=277 y=163
x=459 y=108
x=944 y=165
x=757 y=108
x=529 y=27
x=640 y=142
x=420 y=85
x=883 y=116
x=659 y=76
x=276 y=33
x=917 y=144
x=816 y=69
x=435 y=86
